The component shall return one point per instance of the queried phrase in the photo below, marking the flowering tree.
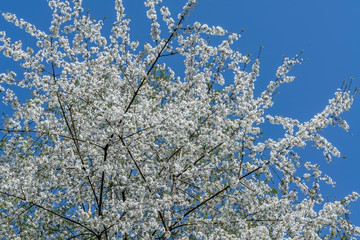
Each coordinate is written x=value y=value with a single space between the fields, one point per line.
x=113 y=144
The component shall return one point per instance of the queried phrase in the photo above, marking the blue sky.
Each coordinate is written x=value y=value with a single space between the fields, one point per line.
x=327 y=31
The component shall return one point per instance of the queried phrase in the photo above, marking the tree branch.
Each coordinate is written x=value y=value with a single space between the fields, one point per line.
x=51 y=211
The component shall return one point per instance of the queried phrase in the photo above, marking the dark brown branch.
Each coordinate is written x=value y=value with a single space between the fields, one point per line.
x=51 y=211
x=244 y=176
x=43 y=133
x=200 y=204
x=163 y=221
x=199 y=159
x=133 y=159
x=168 y=159
x=205 y=201
x=190 y=137
x=76 y=143
x=152 y=66
x=169 y=54
x=216 y=194
x=102 y=181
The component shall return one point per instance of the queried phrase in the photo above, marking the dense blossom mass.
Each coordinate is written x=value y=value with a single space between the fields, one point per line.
x=113 y=144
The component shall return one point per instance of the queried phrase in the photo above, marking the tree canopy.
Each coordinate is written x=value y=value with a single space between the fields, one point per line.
x=114 y=144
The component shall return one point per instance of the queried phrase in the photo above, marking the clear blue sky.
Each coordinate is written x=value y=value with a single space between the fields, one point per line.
x=327 y=31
